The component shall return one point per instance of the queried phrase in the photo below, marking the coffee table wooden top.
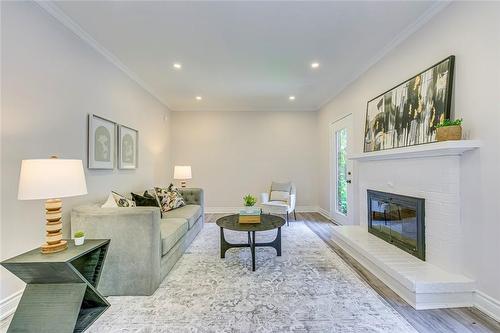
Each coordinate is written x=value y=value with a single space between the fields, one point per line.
x=268 y=222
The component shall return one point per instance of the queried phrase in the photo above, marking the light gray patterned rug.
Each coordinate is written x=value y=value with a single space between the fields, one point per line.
x=308 y=289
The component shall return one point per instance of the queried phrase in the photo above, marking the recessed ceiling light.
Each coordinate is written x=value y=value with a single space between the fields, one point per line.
x=315 y=65
x=292 y=98
x=177 y=65
x=198 y=98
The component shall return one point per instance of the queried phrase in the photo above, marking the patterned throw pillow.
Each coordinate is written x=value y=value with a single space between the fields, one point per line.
x=169 y=198
x=122 y=201
x=144 y=200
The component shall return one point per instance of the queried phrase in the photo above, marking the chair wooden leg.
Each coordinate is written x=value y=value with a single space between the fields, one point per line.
x=294 y=215
x=287 y=222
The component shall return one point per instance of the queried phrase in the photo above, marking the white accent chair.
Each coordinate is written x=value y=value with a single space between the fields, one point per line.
x=280 y=199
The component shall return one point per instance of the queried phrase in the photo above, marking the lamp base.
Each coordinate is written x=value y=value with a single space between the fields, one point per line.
x=53 y=248
x=183 y=183
x=53 y=227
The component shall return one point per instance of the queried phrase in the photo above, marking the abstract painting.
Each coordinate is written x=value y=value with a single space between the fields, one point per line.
x=128 y=139
x=101 y=143
x=407 y=114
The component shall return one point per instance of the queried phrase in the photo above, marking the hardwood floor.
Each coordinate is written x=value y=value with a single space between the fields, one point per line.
x=459 y=320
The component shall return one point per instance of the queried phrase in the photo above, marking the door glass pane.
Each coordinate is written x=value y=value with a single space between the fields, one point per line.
x=341 y=139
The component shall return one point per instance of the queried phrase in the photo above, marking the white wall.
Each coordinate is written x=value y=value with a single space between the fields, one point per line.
x=51 y=80
x=234 y=153
x=470 y=31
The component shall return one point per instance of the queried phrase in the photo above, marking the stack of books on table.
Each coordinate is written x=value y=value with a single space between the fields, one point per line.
x=250 y=215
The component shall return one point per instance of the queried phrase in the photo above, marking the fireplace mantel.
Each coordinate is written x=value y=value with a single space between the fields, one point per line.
x=435 y=149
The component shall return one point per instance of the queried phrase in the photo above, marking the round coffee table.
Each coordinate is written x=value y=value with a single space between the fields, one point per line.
x=268 y=222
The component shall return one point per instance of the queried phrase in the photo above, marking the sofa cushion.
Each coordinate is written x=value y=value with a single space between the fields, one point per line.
x=171 y=230
x=188 y=212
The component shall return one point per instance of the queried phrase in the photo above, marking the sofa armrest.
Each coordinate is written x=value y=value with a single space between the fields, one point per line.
x=264 y=197
x=132 y=265
x=193 y=196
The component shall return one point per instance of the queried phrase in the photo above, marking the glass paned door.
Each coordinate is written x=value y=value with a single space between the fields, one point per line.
x=341 y=199
x=341 y=171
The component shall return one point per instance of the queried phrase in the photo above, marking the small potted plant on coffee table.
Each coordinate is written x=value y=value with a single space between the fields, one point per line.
x=79 y=238
x=250 y=214
x=249 y=200
x=449 y=130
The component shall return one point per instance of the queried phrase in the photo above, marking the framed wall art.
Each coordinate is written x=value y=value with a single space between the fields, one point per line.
x=128 y=139
x=407 y=114
x=101 y=143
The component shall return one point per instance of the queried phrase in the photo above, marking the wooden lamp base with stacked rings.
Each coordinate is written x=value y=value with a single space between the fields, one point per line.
x=53 y=213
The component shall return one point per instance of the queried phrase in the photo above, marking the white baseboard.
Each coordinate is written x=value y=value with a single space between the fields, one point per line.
x=8 y=307
x=325 y=213
x=233 y=210
x=487 y=304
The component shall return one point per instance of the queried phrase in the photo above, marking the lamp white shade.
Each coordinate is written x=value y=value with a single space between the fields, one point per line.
x=182 y=172
x=51 y=178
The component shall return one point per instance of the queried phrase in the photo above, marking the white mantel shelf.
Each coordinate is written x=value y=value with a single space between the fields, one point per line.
x=445 y=148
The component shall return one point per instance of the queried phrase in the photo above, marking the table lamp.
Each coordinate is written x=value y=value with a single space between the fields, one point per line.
x=52 y=179
x=182 y=172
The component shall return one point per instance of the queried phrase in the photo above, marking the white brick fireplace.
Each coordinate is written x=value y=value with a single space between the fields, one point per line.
x=431 y=172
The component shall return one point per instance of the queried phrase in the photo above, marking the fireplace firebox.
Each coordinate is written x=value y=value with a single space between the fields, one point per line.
x=399 y=220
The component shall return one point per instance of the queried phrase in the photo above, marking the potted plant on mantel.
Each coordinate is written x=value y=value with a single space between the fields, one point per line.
x=449 y=130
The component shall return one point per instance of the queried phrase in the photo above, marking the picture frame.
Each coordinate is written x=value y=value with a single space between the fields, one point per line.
x=408 y=113
x=128 y=152
x=101 y=143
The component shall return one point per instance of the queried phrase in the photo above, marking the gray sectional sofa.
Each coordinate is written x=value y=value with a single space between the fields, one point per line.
x=144 y=245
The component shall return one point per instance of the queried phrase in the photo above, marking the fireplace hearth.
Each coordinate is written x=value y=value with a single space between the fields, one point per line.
x=399 y=220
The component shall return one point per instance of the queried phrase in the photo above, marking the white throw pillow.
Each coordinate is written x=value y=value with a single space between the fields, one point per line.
x=119 y=201
x=110 y=203
x=279 y=196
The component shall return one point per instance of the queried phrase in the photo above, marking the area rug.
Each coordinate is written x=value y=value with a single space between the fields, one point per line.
x=308 y=289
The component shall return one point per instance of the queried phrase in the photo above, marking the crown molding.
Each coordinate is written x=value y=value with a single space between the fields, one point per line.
x=400 y=37
x=69 y=23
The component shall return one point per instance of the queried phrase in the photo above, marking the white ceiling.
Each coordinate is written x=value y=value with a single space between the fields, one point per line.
x=246 y=55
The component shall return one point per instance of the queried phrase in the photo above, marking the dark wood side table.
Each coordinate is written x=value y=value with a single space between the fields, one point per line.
x=61 y=292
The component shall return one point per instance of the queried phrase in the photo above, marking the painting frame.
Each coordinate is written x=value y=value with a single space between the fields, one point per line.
x=128 y=148
x=101 y=143
x=407 y=114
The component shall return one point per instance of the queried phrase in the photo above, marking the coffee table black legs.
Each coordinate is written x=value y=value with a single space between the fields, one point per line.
x=252 y=248
x=252 y=244
x=276 y=243
x=225 y=245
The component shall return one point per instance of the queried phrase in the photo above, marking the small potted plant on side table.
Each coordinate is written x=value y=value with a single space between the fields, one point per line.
x=449 y=130
x=79 y=238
